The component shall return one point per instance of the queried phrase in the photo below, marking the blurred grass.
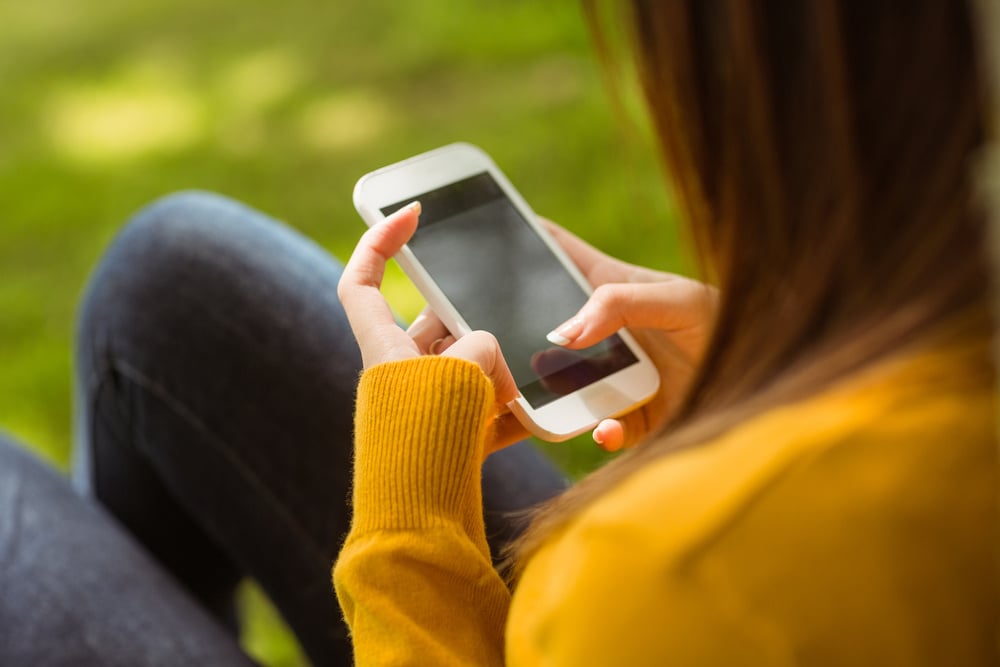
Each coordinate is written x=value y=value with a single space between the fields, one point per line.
x=108 y=105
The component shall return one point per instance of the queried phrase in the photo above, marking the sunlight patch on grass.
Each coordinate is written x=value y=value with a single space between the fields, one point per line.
x=256 y=81
x=344 y=121
x=124 y=120
x=249 y=88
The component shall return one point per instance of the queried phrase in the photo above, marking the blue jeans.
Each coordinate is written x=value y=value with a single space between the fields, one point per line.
x=215 y=388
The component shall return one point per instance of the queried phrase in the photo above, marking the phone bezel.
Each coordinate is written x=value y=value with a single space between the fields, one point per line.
x=563 y=417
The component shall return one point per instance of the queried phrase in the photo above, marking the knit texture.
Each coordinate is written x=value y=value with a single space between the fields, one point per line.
x=418 y=452
x=855 y=527
x=416 y=566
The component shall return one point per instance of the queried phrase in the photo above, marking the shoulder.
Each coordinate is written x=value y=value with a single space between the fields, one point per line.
x=904 y=445
x=865 y=512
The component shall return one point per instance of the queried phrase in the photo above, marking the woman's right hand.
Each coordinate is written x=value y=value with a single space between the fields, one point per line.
x=671 y=317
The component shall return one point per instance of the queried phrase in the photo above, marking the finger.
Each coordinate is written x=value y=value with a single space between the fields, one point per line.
x=610 y=435
x=441 y=344
x=669 y=306
x=426 y=330
x=380 y=242
x=635 y=428
x=482 y=348
x=367 y=311
x=624 y=432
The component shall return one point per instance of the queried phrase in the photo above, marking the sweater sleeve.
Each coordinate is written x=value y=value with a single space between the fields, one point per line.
x=414 y=578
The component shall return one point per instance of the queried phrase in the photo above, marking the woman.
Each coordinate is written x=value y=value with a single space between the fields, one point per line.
x=825 y=490
x=815 y=483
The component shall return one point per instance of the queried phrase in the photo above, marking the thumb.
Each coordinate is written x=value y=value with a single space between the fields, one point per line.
x=621 y=433
x=669 y=306
x=482 y=348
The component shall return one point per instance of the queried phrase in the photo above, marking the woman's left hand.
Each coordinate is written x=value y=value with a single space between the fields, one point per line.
x=381 y=339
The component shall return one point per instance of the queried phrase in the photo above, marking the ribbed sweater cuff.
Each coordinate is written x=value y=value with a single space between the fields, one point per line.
x=420 y=429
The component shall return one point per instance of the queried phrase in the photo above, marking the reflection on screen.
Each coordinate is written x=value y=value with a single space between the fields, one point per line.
x=502 y=277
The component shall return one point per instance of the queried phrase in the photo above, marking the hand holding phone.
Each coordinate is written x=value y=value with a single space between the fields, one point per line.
x=670 y=315
x=483 y=262
x=382 y=340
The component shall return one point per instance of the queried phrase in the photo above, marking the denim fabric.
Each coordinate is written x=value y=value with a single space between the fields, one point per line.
x=76 y=590
x=215 y=385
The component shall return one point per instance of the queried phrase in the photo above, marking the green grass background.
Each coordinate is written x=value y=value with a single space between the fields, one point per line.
x=107 y=105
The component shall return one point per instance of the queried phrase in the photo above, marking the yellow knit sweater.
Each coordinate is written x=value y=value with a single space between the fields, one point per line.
x=855 y=527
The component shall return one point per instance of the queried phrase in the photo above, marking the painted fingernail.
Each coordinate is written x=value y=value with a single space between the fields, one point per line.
x=565 y=333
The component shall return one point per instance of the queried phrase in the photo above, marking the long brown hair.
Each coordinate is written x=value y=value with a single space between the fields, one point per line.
x=820 y=153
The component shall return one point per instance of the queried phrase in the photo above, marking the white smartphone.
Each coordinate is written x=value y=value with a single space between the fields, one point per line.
x=483 y=262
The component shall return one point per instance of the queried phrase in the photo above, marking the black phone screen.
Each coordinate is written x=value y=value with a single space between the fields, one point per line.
x=502 y=278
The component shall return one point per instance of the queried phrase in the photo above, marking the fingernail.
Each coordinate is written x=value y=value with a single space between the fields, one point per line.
x=565 y=333
x=412 y=206
x=441 y=344
x=601 y=442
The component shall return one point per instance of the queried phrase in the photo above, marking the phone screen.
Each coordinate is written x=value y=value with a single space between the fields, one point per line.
x=502 y=278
